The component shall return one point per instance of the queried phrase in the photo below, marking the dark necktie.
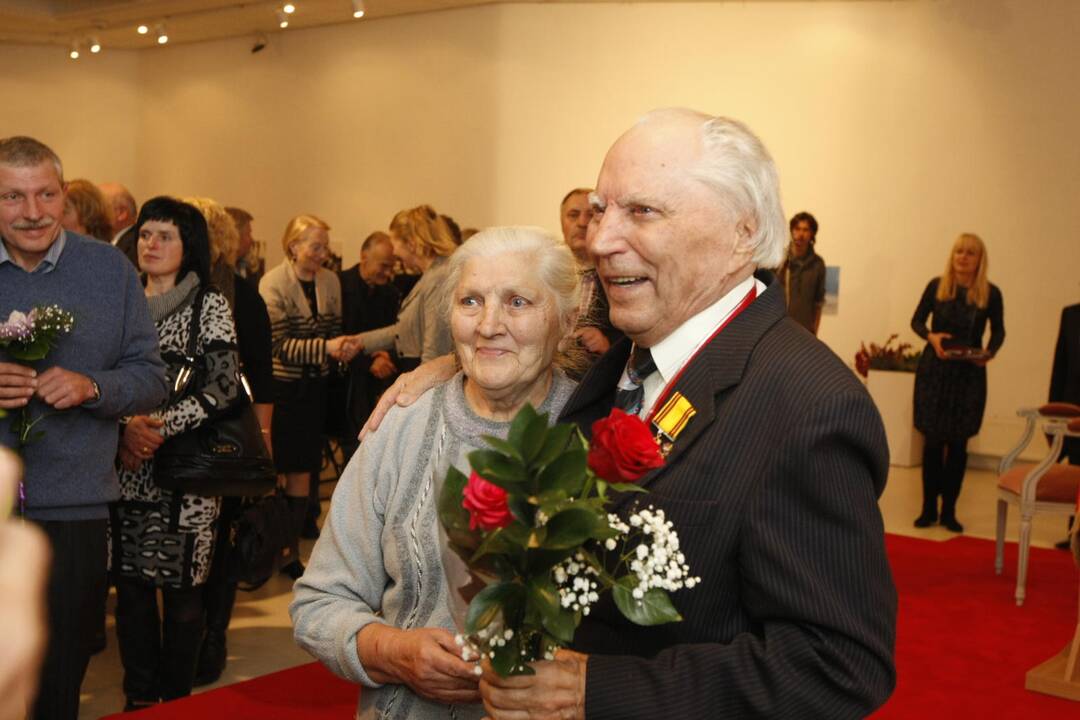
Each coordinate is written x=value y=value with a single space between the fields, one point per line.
x=639 y=367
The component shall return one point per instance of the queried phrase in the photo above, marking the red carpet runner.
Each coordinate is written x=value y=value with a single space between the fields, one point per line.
x=962 y=648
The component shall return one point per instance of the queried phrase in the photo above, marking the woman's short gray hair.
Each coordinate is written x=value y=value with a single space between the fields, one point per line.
x=554 y=264
x=737 y=166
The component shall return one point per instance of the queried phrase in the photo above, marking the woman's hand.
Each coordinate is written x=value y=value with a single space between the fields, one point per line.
x=408 y=387
x=382 y=366
x=426 y=659
x=142 y=437
x=935 y=341
x=344 y=347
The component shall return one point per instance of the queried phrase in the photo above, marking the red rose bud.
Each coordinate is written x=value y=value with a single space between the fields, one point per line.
x=486 y=503
x=622 y=448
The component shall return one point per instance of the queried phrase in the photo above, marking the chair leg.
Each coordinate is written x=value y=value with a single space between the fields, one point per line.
x=1025 y=546
x=999 y=549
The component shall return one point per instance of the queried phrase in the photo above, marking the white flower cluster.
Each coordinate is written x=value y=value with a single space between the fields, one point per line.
x=658 y=563
x=575 y=579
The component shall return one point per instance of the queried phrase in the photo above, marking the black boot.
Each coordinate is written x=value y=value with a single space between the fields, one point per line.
x=931 y=484
x=212 y=658
x=953 y=478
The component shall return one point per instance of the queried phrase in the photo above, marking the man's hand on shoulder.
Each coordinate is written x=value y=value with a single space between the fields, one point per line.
x=17 y=385
x=65 y=389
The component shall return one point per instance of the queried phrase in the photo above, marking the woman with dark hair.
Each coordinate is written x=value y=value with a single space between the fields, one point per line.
x=163 y=540
x=950 y=382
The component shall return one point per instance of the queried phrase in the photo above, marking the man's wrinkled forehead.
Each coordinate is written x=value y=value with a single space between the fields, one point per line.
x=649 y=158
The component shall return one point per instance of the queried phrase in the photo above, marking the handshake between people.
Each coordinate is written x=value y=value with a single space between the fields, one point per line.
x=344 y=348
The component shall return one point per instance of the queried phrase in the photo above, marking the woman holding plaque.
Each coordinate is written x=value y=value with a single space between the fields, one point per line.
x=950 y=383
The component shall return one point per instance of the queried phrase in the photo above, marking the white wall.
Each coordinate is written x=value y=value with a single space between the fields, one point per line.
x=899 y=124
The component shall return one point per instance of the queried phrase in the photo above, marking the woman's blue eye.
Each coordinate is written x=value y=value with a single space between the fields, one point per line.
x=518 y=301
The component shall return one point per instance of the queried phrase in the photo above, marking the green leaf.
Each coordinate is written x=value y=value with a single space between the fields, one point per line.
x=535 y=437
x=627 y=487
x=502 y=446
x=496 y=468
x=555 y=443
x=540 y=560
x=520 y=507
x=654 y=608
x=519 y=427
x=556 y=620
x=489 y=602
x=566 y=472
x=510 y=540
x=570 y=528
x=451 y=514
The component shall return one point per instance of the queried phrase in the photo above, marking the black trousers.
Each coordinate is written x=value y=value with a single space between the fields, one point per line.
x=76 y=597
x=944 y=463
x=159 y=653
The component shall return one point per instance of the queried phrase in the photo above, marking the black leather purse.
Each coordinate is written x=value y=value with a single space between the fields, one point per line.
x=226 y=454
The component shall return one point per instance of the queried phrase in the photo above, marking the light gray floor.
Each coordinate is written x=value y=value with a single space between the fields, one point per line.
x=260 y=639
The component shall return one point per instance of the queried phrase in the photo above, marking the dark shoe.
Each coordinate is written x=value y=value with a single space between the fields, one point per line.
x=212 y=658
x=310 y=530
x=1063 y=544
x=949 y=523
x=925 y=520
x=294 y=569
x=134 y=705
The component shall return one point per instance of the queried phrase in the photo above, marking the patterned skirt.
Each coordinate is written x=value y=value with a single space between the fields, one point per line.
x=950 y=397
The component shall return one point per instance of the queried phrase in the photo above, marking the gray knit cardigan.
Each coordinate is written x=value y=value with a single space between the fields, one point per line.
x=377 y=559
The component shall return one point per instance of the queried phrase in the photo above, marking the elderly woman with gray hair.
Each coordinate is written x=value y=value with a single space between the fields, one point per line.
x=372 y=605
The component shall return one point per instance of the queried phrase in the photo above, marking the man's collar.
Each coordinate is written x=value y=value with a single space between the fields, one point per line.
x=47 y=263
x=120 y=234
x=671 y=353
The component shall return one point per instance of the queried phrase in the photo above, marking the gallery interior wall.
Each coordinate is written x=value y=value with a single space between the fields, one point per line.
x=899 y=124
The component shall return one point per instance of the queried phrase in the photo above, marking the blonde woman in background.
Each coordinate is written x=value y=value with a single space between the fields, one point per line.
x=304 y=302
x=422 y=241
x=86 y=211
x=950 y=383
x=254 y=345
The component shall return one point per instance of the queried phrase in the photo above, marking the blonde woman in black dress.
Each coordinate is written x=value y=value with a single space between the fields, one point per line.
x=950 y=383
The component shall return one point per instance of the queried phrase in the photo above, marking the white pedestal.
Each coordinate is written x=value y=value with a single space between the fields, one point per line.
x=893 y=393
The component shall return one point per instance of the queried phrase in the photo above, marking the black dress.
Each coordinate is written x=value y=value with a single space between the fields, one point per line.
x=950 y=395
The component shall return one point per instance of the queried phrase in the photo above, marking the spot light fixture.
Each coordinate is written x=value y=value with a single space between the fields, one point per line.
x=142 y=29
x=74 y=54
x=283 y=20
x=95 y=45
x=289 y=8
x=358 y=8
x=162 y=36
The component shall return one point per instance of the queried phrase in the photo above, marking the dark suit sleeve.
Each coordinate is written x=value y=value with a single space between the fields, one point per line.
x=925 y=307
x=996 y=313
x=253 y=341
x=1060 y=373
x=815 y=583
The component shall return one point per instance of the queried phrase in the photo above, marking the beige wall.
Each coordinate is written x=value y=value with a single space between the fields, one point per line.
x=899 y=124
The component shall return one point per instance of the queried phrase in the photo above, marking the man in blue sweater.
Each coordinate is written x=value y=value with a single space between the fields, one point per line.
x=108 y=366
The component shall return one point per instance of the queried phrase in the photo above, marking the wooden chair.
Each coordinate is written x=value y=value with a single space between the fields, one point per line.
x=1047 y=487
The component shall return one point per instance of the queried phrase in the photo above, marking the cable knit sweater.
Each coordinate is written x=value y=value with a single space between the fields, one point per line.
x=378 y=558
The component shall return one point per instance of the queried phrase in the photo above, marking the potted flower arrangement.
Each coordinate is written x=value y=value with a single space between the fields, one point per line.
x=889 y=370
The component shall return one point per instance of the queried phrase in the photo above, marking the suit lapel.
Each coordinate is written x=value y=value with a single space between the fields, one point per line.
x=720 y=366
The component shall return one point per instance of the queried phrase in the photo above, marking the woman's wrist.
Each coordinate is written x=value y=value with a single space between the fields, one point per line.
x=376 y=648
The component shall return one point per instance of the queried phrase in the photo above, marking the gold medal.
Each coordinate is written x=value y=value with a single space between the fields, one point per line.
x=671 y=420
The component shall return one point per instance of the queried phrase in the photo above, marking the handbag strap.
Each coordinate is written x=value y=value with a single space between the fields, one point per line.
x=196 y=320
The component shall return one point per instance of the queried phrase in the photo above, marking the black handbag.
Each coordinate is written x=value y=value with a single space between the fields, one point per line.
x=226 y=454
x=259 y=535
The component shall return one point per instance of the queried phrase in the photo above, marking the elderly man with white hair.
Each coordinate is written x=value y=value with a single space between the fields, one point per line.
x=773 y=480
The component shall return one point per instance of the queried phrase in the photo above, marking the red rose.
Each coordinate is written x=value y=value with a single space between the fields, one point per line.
x=622 y=448
x=486 y=503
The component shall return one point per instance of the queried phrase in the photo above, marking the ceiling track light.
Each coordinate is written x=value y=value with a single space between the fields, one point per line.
x=95 y=45
x=142 y=29
x=74 y=54
x=289 y=8
x=282 y=20
x=358 y=8
x=162 y=36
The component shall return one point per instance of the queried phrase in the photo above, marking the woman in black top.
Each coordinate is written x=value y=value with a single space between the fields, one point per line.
x=950 y=383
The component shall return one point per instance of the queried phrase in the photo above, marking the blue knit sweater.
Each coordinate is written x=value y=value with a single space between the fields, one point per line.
x=70 y=472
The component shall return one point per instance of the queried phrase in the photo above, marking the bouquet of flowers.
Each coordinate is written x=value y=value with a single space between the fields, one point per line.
x=29 y=337
x=529 y=545
x=886 y=357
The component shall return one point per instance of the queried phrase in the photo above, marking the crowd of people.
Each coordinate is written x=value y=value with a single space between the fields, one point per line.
x=774 y=485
